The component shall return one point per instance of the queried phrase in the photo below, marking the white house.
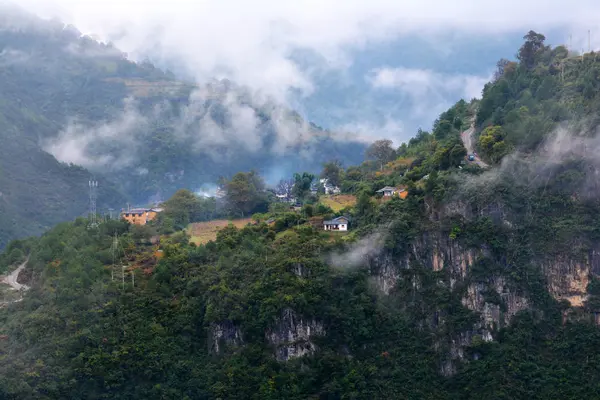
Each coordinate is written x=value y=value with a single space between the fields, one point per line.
x=336 y=224
x=388 y=191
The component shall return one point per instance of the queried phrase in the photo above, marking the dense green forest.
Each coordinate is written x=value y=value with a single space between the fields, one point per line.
x=480 y=284
x=140 y=131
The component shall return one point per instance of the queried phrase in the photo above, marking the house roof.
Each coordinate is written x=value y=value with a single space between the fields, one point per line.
x=140 y=210
x=392 y=189
x=335 y=221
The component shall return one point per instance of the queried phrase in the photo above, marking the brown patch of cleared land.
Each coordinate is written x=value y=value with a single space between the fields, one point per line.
x=204 y=232
x=339 y=201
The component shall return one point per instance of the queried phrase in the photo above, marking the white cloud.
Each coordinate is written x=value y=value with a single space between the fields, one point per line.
x=219 y=121
x=235 y=121
x=429 y=91
x=368 y=132
x=251 y=41
x=419 y=83
x=110 y=145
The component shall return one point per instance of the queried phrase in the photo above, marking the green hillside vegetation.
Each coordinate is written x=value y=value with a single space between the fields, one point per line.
x=211 y=321
x=548 y=88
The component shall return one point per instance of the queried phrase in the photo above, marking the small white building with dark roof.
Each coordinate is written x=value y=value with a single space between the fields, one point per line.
x=390 y=191
x=336 y=224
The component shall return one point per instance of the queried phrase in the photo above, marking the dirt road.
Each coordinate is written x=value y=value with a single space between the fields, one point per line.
x=467 y=138
x=11 y=279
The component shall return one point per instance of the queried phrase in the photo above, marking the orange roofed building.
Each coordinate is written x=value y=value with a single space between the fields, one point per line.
x=140 y=216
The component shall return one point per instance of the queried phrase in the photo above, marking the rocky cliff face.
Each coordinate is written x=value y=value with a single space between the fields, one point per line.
x=222 y=335
x=496 y=301
x=291 y=336
x=568 y=279
x=494 y=298
x=434 y=251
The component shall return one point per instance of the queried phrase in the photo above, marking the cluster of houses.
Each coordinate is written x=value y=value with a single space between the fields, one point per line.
x=328 y=187
x=142 y=215
x=286 y=197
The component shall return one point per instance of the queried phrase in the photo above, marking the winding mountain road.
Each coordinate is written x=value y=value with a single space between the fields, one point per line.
x=467 y=139
x=11 y=279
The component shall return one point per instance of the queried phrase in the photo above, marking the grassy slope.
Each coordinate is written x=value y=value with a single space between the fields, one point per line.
x=204 y=232
x=339 y=202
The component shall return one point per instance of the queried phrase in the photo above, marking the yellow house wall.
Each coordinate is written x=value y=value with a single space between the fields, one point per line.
x=152 y=215
x=138 y=219
x=135 y=219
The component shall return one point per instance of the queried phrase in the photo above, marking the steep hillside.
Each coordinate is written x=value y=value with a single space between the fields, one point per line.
x=549 y=92
x=85 y=103
x=479 y=284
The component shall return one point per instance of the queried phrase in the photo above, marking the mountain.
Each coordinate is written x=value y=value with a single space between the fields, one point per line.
x=139 y=130
x=481 y=283
x=37 y=190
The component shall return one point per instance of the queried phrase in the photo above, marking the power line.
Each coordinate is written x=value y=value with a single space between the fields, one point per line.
x=115 y=255
x=117 y=250
x=92 y=210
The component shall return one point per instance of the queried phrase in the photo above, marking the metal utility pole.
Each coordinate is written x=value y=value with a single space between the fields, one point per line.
x=115 y=252
x=570 y=42
x=589 y=40
x=92 y=211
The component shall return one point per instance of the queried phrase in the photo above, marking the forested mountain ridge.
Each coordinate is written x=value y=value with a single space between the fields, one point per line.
x=141 y=131
x=479 y=284
x=549 y=88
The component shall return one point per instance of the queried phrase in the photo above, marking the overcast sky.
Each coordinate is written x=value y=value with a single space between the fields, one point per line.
x=252 y=41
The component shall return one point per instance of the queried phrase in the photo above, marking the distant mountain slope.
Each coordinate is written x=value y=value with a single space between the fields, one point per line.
x=37 y=191
x=86 y=104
